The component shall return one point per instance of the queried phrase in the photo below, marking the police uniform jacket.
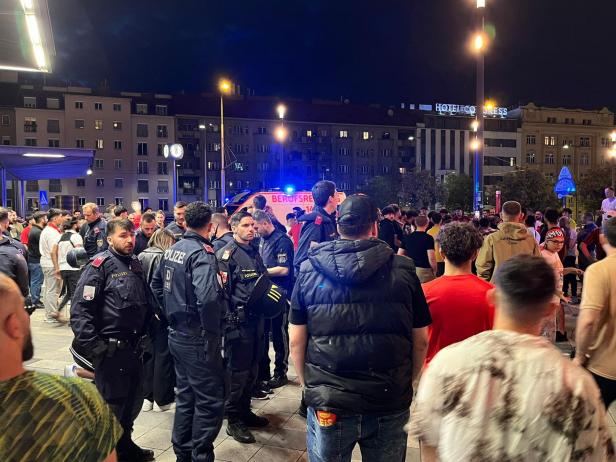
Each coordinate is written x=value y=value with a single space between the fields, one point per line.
x=141 y=242
x=221 y=241
x=13 y=262
x=240 y=267
x=111 y=300
x=318 y=226
x=277 y=250
x=176 y=230
x=94 y=237
x=188 y=287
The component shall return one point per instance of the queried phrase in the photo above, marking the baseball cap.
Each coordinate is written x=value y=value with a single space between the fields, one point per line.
x=555 y=234
x=357 y=209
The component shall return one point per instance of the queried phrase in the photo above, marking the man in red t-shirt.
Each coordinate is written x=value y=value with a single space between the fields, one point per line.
x=458 y=303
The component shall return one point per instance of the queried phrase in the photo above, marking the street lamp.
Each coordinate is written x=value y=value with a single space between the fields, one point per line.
x=612 y=152
x=281 y=135
x=175 y=152
x=202 y=129
x=224 y=86
x=281 y=109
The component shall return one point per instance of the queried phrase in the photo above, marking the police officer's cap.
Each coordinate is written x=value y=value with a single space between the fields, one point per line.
x=77 y=257
x=267 y=299
x=357 y=209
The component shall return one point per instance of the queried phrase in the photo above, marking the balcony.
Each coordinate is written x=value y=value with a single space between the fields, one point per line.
x=30 y=128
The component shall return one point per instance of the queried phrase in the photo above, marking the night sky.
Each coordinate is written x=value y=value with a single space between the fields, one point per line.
x=552 y=52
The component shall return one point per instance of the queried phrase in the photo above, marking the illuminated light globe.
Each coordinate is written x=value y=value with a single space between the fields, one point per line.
x=289 y=189
x=565 y=186
x=175 y=151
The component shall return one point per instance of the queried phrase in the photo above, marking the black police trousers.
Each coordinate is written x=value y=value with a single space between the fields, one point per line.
x=119 y=380
x=200 y=397
x=158 y=368
x=279 y=327
x=242 y=356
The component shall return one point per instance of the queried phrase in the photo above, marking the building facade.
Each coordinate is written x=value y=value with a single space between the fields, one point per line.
x=553 y=138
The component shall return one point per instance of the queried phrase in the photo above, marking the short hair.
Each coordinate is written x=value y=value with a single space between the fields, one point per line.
x=90 y=205
x=436 y=218
x=484 y=222
x=4 y=214
x=148 y=217
x=322 y=191
x=69 y=224
x=551 y=215
x=121 y=224
x=220 y=220
x=198 y=214
x=412 y=213
x=238 y=217
x=512 y=209
x=261 y=216
x=259 y=202
x=52 y=213
x=395 y=207
x=180 y=205
x=459 y=242
x=568 y=210
x=421 y=221
x=610 y=188
x=443 y=211
x=220 y=210
x=387 y=210
x=530 y=221
x=290 y=216
x=588 y=216
x=161 y=239
x=119 y=210
x=355 y=231
x=609 y=231
x=525 y=282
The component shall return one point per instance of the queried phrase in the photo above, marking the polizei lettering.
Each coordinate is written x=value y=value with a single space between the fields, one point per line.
x=176 y=256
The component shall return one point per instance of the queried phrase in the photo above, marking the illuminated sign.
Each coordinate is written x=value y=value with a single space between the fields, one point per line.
x=469 y=110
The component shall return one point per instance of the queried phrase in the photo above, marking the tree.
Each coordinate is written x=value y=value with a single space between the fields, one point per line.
x=590 y=188
x=530 y=188
x=458 y=192
x=419 y=189
x=382 y=190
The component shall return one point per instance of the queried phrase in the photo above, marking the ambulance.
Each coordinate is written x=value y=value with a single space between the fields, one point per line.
x=281 y=202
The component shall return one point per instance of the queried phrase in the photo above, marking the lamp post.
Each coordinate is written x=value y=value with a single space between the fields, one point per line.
x=203 y=130
x=174 y=152
x=281 y=136
x=479 y=45
x=224 y=86
x=612 y=152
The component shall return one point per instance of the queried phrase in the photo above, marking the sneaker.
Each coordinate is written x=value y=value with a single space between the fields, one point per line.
x=51 y=321
x=265 y=388
x=147 y=405
x=255 y=421
x=239 y=432
x=69 y=370
x=164 y=407
x=278 y=381
x=561 y=337
x=259 y=394
x=575 y=300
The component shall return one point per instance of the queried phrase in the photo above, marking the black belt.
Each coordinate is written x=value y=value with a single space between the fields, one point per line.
x=190 y=332
x=122 y=344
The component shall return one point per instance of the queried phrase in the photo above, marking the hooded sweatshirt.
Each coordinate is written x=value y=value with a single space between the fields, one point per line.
x=510 y=240
x=360 y=303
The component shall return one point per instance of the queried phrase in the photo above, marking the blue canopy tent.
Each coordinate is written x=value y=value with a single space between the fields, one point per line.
x=25 y=163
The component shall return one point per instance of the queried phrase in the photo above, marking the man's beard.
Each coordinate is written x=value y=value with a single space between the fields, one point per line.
x=27 y=351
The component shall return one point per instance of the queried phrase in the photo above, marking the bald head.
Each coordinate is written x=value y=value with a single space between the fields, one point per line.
x=15 y=337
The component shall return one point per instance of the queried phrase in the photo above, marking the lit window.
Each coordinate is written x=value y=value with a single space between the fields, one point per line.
x=365 y=135
x=309 y=133
x=78 y=104
x=99 y=144
x=344 y=134
x=98 y=124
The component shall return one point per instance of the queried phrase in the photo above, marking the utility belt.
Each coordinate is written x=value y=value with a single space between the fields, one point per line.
x=136 y=343
x=237 y=317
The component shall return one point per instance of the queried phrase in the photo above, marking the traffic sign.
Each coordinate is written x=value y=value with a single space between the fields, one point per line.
x=43 y=198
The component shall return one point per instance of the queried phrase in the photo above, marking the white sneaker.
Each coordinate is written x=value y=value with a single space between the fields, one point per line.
x=165 y=407
x=147 y=405
x=69 y=370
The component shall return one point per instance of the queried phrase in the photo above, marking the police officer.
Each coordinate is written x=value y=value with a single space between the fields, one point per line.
x=188 y=287
x=241 y=266
x=276 y=250
x=319 y=225
x=221 y=232
x=13 y=256
x=94 y=233
x=178 y=226
x=110 y=311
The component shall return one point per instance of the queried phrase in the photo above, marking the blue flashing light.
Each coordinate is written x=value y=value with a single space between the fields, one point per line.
x=289 y=189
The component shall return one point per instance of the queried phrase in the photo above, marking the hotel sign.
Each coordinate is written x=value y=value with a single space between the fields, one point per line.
x=459 y=109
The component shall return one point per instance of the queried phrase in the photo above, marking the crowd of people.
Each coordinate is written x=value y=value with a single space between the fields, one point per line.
x=442 y=326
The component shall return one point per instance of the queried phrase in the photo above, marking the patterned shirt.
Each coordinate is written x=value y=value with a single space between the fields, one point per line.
x=502 y=396
x=49 y=418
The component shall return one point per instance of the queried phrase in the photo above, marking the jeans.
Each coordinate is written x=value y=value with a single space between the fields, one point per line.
x=200 y=397
x=51 y=292
x=380 y=438
x=36 y=281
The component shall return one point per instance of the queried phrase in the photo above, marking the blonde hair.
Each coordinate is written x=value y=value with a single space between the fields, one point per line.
x=161 y=239
x=90 y=205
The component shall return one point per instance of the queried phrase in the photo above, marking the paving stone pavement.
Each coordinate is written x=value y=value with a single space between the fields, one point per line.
x=284 y=440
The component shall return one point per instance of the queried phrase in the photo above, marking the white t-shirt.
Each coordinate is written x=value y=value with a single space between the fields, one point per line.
x=49 y=237
x=501 y=395
x=64 y=247
x=608 y=205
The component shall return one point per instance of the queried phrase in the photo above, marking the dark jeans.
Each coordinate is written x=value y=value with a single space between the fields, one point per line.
x=570 y=279
x=607 y=388
x=119 y=380
x=380 y=438
x=200 y=399
x=69 y=283
x=36 y=282
x=242 y=355
x=158 y=368
x=279 y=327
